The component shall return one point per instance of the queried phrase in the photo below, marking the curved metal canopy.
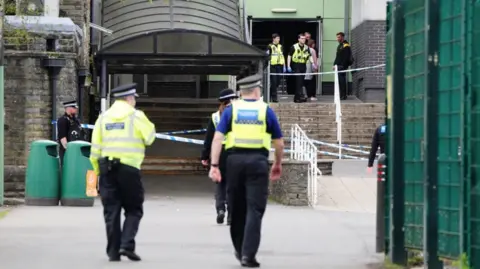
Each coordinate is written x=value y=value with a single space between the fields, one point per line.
x=169 y=51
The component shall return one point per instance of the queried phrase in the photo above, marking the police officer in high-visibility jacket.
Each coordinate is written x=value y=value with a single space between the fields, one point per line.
x=225 y=98
x=277 y=65
x=250 y=126
x=118 y=149
x=297 y=63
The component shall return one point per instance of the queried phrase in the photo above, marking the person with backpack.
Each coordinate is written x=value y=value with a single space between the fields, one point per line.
x=343 y=60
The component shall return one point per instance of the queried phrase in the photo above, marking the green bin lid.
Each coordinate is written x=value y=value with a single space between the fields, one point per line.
x=44 y=142
x=81 y=143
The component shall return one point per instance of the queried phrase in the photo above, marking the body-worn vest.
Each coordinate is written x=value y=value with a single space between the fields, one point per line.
x=75 y=130
x=300 y=55
x=277 y=57
x=249 y=126
x=216 y=120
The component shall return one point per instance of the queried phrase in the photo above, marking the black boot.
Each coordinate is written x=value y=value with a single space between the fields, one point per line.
x=131 y=255
x=220 y=216
x=249 y=262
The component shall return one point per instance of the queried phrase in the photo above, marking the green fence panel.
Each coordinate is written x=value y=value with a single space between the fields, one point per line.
x=473 y=60
x=415 y=73
x=450 y=129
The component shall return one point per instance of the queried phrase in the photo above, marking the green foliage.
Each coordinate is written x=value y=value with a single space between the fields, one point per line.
x=462 y=262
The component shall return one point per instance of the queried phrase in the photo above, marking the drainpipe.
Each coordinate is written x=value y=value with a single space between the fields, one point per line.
x=54 y=66
x=82 y=76
x=346 y=26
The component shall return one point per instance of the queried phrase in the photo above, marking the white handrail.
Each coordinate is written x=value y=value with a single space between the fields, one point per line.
x=338 y=111
x=303 y=149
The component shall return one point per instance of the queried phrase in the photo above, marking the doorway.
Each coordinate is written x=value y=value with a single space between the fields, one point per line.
x=288 y=29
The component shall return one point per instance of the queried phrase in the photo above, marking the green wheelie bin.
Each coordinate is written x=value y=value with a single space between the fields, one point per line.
x=76 y=163
x=42 y=182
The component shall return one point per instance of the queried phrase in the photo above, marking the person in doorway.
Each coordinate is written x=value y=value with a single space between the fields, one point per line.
x=118 y=149
x=69 y=128
x=308 y=36
x=297 y=63
x=310 y=79
x=277 y=65
x=378 y=140
x=343 y=60
x=250 y=126
x=221 y=205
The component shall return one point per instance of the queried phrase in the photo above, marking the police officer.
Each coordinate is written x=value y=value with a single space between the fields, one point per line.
x=118 y=149
x=277 y=65
x=378 y=140
x=297 y=63
x=343 y=60
x=221 y=191
x=69 y=127
x=250 y=125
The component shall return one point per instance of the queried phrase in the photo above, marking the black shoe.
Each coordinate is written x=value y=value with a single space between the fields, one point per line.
x=249 y=262
x=114 y=258
x=131 y=255
x=220 y=216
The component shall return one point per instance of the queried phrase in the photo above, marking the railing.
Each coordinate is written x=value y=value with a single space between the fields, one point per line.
x=303 y=149
x=338 y=111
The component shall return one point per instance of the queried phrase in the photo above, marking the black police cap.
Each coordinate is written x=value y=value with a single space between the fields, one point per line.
x=250 y=82
x=227 y=94
x=125 y=90
x=72 y=103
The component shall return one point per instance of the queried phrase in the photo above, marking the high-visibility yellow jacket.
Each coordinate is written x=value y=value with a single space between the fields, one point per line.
x=277 y=57
x=300 y=55
x=121 y=132
x=216 y=119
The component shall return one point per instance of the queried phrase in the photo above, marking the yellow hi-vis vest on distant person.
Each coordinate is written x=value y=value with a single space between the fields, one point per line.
x=216 y=120
x=249 y=126
x=300 y=55
x=121 y=132
x=277 y=55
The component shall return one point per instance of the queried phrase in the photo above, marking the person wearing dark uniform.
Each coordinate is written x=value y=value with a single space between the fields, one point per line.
x=297 y=63
x=221 y=191
x=249 y=126
x=277 y=65
x=118 y=149
x=69 y=128
x=343 y=60
x=378 y=140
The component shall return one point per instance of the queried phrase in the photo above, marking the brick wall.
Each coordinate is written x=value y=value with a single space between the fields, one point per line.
x=368 y=44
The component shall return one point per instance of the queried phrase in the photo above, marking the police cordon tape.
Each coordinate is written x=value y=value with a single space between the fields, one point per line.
x=168 y=136
x=330 y=72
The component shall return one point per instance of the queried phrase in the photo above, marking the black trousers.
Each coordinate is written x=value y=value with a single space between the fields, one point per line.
x=247 y=195
x=299 y=80
x=342 y=81
x=275 y=80
x=61 y=153
x=122 y=188
x=310 y=85
x=221 y=188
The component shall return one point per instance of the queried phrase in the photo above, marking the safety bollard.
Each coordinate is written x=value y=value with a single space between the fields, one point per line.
x=380 y=244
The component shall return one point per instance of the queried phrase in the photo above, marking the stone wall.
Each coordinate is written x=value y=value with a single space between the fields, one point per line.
x=28 y=96
x=292 y=188
x=368 y=45
x=79 y=12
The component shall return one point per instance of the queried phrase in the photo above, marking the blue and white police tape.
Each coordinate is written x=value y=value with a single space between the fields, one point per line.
x=86 y=126
x=328 y=73
x=197 y=131
x=343 y=155
x=337 y=146
x=356 y=146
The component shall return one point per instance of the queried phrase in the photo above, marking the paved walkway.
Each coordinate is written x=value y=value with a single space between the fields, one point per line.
x=178 y=231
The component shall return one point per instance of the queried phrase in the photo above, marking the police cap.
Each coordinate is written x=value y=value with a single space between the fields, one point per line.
x=227 y=94
x=125 y=90
x=70 y=104
x=250 y=82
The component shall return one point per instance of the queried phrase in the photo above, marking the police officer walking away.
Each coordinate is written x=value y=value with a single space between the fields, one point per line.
x=69 y=128
x=221 y=191
x=250 y=125
x=297 y=63
x=277 y=65
x=118 y=149
x=343 y=60
x=378 y=140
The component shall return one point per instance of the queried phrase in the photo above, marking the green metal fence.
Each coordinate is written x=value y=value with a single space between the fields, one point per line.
x=434 y=130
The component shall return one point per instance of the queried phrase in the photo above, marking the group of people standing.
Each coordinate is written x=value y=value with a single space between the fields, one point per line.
x=303 y=59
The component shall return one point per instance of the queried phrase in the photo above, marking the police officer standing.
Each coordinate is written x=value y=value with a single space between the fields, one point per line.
x=69 y=128
x=343 y=60
x=250 y=125
x=297 y=63
x=277 y=65
x=378 y=140
x=118 y=149
x=221 y=191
